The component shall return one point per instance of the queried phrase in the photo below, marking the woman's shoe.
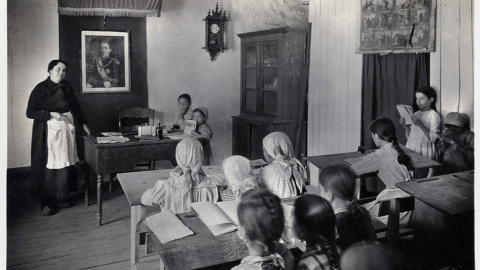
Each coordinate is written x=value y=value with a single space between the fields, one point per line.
x=65 y=204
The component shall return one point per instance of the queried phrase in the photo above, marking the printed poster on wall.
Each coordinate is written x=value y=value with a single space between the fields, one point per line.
x=397 y=26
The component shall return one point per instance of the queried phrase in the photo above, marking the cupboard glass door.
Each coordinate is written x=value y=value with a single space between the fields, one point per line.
x=250 y=79
x=269 y=78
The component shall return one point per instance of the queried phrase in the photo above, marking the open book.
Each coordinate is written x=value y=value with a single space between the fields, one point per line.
x=219 y=218
x=190 y=125
x=167 y=226
x=406 y=112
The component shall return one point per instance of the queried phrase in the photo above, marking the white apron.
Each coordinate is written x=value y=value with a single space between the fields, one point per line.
x=61 y=146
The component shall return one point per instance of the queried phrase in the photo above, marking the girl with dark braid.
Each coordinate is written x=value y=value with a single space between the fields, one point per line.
x=314 y=223
x=353 y=222
x=390 y=162
x=262 y=221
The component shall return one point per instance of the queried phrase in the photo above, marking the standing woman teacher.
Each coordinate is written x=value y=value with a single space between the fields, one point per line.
x=53 y=106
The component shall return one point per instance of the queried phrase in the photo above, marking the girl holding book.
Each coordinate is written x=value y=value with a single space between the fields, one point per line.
x=262 y=221
x=187 y=182
x=354 y=224
x=422 y=134
x=314 y=223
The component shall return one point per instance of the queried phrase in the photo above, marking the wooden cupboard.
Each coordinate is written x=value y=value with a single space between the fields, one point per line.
x=273 y=65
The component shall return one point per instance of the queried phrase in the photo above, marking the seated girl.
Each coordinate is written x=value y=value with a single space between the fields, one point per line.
x=354 y=224
x=187 y=182
x=238 y=171
x=200 y=115
x=184 y=113
x=390 y=162
x=285 y=175
x=314 y=223
x=203 y=130
x=456 y=147
x=261 y=219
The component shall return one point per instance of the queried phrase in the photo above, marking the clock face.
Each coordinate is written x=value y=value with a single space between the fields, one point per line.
x=214 y=28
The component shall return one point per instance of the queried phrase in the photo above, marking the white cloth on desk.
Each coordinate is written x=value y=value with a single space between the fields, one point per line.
x=62 y=149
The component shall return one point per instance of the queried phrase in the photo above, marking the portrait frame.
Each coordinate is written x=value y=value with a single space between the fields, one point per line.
x=402 y=26
x=105 y=62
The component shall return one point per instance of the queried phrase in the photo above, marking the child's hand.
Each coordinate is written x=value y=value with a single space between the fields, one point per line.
x=402 y=121
x=415 y=120
x=56 y=116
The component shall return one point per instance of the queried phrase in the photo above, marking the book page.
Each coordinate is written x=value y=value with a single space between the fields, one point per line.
x=190 y=126
x=230 y=208
x=167 y=226
x=406 y=112
x=213 y=217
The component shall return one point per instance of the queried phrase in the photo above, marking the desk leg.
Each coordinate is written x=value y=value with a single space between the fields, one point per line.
x=87 y=183
x=137 y=216
x=99 y=198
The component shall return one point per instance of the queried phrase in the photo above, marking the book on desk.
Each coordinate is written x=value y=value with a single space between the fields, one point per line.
x=220 y=218
x=111 y=137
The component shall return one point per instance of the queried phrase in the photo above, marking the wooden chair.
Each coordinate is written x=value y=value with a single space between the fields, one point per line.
x=129 y=119
x=392 y=207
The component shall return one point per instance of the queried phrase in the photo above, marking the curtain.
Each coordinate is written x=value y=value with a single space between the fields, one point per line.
x=111 y=8
x=387 y=81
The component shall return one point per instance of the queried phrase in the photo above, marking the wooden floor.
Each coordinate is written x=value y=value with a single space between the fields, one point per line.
x=70 y=239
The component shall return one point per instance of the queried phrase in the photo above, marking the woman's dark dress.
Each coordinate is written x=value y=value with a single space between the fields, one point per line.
x=47 y=97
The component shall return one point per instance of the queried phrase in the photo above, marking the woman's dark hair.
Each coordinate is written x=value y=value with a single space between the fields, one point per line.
x=261 y=215
x=385 y=129
x=185 y=96
x=340 y=181
x=316 y=215
x=430 y=93
x=53 y=63
x=199 y=111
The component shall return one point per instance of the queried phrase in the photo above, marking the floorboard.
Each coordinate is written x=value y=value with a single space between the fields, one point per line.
x=70 y=239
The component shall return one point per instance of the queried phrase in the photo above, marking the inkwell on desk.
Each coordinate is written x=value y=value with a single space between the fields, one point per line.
x=159 y=131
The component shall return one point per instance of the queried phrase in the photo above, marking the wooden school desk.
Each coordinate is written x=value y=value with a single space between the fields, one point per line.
x=323 y=161
x=443 y=219
x=122 y=157
x=134 y=184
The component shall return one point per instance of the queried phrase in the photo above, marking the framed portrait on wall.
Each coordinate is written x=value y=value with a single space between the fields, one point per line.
x=105 y=62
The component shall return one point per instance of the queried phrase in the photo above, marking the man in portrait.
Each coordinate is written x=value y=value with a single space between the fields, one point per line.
x=106 y=70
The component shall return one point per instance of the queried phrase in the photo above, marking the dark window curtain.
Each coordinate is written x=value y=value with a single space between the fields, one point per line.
x=387 y=81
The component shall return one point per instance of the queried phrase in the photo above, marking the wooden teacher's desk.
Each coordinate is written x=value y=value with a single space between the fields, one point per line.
x=122 y=157
x=134 y=184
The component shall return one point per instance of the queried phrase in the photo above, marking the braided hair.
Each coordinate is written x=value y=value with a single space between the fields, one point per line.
x=340 y=181
x=385 y=129
x=261 y=215
x=316 y=215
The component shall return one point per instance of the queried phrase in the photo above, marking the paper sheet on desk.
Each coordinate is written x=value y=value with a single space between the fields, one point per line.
x=167 y=226
x=177 y=136
x=353 y=160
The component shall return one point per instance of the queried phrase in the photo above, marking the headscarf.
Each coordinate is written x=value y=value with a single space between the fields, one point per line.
x=189 y=156
x=456 y=119
x=278 y=146
x=238 y=171
x=204 y=111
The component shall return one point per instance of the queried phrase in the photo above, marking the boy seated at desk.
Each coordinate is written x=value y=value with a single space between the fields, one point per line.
x=187 y=182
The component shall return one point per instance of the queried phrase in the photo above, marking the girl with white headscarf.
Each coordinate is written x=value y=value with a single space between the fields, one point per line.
x=187 y=182
x=285 y=176
x=238 y=171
